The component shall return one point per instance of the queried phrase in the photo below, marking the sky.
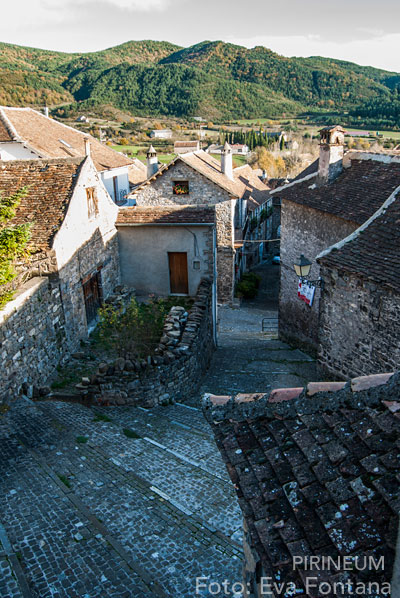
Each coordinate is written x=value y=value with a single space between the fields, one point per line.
x=363 y=31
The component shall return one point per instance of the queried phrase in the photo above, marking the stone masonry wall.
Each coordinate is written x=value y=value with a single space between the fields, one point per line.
x=32 y=337
x=201 y=192
x=359 y=327
x=175 y=370
x=92 y=257
x=304 y=231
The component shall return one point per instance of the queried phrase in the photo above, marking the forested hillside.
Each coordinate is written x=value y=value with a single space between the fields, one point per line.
x=214 y=79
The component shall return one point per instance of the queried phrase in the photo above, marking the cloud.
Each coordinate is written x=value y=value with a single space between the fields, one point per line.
x=141 y=5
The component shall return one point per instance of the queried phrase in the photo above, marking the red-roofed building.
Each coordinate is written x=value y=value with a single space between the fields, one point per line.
x=71 y=266
x=26 y=134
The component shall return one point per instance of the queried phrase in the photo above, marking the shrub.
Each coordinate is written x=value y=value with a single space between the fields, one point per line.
x=252 y=278
x=246 y=289
x=136 y=329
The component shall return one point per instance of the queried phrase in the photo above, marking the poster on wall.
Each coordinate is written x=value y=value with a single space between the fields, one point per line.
x=306 y=292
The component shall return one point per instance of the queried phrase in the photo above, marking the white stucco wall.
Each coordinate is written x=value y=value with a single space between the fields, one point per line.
x=16 y=151
x=144 y=255
x=77 y=227
x=122 y=181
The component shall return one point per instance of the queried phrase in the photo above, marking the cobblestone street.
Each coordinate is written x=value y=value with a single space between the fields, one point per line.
x=123 y=502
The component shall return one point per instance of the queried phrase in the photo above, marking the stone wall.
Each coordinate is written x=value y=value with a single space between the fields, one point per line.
x=304 y=231
x=94 y=256
x=45 y=321
x=201 y=192
x=175 y=370
x=32 y=337
x=359 y=326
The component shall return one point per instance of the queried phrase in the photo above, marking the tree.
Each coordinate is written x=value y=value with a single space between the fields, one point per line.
x=13 y=240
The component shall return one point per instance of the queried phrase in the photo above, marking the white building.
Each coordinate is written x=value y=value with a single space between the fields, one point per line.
x=161 y=134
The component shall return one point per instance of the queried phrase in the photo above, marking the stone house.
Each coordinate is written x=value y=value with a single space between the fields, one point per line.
x=362 y=280
x=26 y=134
x=198 y=179
x=166 y=250
x=72 y=265
x=314 y=470
x=333 y=198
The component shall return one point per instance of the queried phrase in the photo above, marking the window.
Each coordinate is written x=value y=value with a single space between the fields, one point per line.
x=180 y=188
x=92 y=202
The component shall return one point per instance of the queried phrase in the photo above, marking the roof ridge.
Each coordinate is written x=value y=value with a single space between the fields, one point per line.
x=8 y=125
x=316 y=397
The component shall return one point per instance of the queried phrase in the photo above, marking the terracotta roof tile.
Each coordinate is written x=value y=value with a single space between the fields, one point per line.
x=316 y=475
x=44 y=134
x=354 y=196
x=373 y=251
x=51 y=184
x=166 y=215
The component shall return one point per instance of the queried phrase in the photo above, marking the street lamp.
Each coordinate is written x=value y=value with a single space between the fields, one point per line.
x=302 y=268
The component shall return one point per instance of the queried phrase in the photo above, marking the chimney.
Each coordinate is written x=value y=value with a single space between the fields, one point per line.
x=331 y=151
x=87 y=146
x=46 y=111
x=152 y=162
x=226 y=161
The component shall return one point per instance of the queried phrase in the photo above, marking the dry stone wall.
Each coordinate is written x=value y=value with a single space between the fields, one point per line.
x=359 y=327
x=173 y=372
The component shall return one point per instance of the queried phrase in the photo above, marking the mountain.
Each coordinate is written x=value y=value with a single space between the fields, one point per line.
x=215 y=79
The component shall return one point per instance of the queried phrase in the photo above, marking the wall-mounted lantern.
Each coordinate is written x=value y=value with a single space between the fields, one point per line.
x=302 y=268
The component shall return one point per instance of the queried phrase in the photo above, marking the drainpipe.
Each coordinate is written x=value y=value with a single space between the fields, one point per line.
x=214 y=288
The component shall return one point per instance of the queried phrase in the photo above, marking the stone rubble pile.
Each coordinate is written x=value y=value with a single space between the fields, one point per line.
x=174 y=370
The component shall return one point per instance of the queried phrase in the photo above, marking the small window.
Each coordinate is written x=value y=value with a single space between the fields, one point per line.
x=92 y=202
x=180 y=188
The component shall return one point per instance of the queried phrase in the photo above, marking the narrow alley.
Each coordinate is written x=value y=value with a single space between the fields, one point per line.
x=123 y=502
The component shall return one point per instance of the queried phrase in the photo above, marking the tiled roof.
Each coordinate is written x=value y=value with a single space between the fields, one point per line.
x=166 y=215
x=137 y=172
x=372 y=251
x=5 y=133
x=186 y=143
x=43 y=135
x=246 y=181
x=316 y=473
x=51 y=184
x=354 y=195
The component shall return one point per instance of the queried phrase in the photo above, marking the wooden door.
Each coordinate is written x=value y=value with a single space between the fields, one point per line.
x=178 y=273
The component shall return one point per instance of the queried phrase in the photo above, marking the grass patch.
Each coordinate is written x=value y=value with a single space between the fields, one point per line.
x=130 y=433
x=64 y=480
x=82 y=439
x=100 y=417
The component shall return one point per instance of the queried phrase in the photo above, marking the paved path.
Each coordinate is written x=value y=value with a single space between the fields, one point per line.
x=122 y=502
